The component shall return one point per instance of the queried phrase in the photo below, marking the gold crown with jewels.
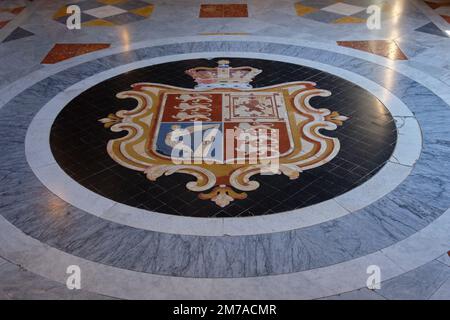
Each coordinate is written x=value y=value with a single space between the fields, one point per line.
x=223 y=76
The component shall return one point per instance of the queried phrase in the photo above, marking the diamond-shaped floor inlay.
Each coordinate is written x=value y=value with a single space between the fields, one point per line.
x=105 y=11
x=64 y=51
x=223 y=11
x=108 y=13
x=302 y=9
x=385 y=48
x=431 y=28
x=3 y=23
x=343 y=8
x=342 y=12
x=346 y=20
x=17 y=34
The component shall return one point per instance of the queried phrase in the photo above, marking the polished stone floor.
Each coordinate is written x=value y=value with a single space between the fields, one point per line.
x=92 y=176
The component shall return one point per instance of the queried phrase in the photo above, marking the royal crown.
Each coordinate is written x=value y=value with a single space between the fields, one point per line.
x=223 y=76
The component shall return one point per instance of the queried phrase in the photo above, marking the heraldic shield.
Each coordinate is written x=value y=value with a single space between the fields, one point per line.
x=223 y=132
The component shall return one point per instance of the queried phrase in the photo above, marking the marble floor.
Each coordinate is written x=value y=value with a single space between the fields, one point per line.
x=186 y=149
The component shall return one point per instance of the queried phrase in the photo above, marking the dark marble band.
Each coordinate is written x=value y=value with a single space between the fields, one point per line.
x=420 y=199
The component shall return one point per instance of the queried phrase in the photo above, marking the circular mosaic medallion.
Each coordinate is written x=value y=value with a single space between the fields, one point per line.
x=223 y=137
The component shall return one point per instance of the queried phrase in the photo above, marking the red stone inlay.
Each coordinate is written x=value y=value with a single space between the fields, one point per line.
x=17 y=10
x=385 y=48
x=223 y=11
x=64 y=51
x=433 y=5
x=446 y=18
x=3 y=23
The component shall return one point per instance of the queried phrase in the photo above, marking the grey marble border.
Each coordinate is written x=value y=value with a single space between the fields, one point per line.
x=45 y=167
x=409 y=254
x=409 y=208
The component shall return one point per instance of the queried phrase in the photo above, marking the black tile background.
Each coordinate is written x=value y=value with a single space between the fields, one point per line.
x=78 y=142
